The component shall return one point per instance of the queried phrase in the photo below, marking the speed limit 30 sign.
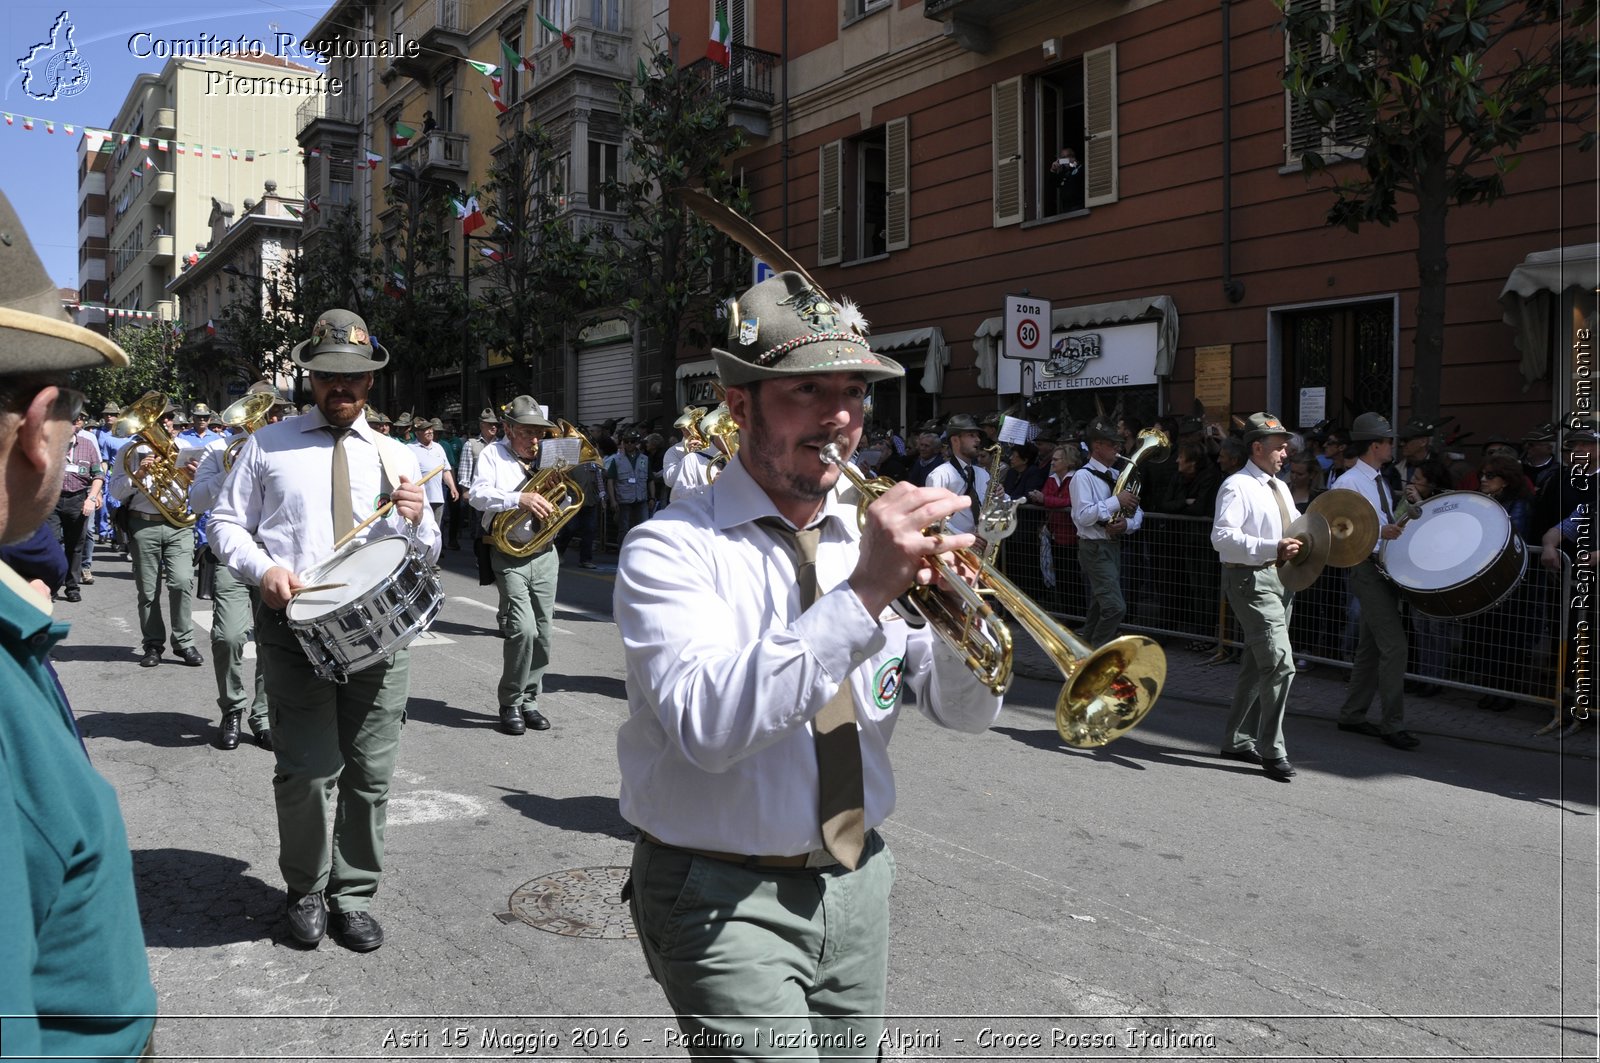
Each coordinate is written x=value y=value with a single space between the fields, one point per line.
x=1027 y=325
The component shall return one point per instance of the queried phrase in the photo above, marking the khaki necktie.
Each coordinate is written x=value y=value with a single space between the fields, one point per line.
x=1276 y=487
x=841 y=804
x=344 y=517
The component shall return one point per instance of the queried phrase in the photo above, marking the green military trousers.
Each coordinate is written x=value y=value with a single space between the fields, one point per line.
x=528 y=603
x=1266 y=669
x=1380 y=664
x=233 y=606
x=155 y=544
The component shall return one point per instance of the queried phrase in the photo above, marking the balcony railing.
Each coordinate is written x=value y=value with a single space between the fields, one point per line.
x=747 y=78
x=438 y=151
x=437 y=27
x=343 y=108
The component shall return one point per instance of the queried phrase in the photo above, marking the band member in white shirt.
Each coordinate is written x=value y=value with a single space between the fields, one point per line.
x=960 y=474
x=1103 y=518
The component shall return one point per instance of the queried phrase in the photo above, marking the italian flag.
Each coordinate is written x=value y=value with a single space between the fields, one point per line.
x=513 y=60
x=488 y=70
x=494 y=97
x=293 y=213
x=211 y=327
x=491 y=254
x=472 y=217
x=721 y=37
x=373 y=160
x=566 y=38
x=402 y=135
x=148 y=165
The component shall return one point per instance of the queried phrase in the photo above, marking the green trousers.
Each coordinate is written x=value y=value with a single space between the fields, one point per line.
x=1266 y=670
x=1380 y=664
x=528 y=603
x=327 y=735
x=743 y=953
x=233 y=607
x=154 y=544
x=1101 y=560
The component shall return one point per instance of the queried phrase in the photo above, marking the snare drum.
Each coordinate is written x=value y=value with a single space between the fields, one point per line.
x=1459 y=556
x=390 y=596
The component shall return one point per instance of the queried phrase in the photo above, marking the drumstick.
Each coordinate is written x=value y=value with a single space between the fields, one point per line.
x=380 y=512
x=317 y=587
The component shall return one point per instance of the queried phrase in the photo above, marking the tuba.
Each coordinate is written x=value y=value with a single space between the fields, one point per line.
x=248 y=414
x=689 y=425
x=1153 y=446
x=512 y=531
x=1108 y=690
x=167 y=486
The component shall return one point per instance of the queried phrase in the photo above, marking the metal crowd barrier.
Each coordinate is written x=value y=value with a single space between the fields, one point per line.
x=1170 y=578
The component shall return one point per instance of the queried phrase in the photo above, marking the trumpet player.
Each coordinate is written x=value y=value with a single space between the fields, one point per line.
x=1103 y=516
x=156 y=545
x=527 y=586
x=765 y=673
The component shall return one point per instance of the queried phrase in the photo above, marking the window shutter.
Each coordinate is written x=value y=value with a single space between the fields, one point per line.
x=1303 y=133
x=897 y=155
x=830 y=201
x=1100 y=126
x=1006 y=104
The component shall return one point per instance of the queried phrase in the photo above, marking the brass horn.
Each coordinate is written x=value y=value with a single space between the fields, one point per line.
x=1153 y=446
x=689 y=425
x=167 y=485
x=248 y=414
x=720 y=428
x=512 y=531
x=1108 y=690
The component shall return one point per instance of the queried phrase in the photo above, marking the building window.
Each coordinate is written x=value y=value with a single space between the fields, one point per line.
x=857 y=8
x=513 y=76
x=553 y=185
x=444 y=108
x=864 y=194
x=559 y=14
x=397 y=18
x=1074 y=106
x=606 y=15
x=1303 y=133
x=602 y=169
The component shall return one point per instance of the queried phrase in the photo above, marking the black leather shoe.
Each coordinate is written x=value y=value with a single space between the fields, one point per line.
x=1423 y=690
x=72 y=594
x=229 y=736
x=190 y=656
x=1401 y=739
x=264 y=739
x=1362 y=727
x=535 y=719
x=357 y=931
x=1279 y=769
x=151 y=658
x=511 y=721
x=1248 y=756
x=308 y=919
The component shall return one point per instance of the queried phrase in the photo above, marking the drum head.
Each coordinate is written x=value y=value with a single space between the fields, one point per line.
x=1455 y=536
x=360 y=568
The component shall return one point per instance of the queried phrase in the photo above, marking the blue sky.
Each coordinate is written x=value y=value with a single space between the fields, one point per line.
x=38 y=171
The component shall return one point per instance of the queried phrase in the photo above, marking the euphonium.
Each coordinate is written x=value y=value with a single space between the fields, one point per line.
x=689 y=425
x=167 y=485
x=719 y=427
x=1153 y=446
x=248 y=414
x=1108 y=690
x=512 y=531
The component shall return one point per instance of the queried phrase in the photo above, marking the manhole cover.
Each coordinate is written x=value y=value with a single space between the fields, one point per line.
x=583 y=902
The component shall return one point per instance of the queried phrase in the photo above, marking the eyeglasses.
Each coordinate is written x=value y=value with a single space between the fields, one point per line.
x=70 y=402
x=333 y=378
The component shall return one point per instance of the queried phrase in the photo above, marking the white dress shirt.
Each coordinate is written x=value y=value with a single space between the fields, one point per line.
x=1248 y=525
x=1365 y=481
x=209 y=477
x=124 y=489
x=275 y=507
x=497 y=479
x=688 y=472
x=431 y=457
x=952 y=476
x=1093 y=503
x=725 y=672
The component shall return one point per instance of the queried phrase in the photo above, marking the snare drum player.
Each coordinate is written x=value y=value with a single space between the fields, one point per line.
x=765 y=674
x=1253 y=513
x=1380 y=663
x=296 y=488
x=527 y=585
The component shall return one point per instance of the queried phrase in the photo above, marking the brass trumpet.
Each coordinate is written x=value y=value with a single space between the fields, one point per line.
x=512 y=531
x=248 y=414
x=1108 y=690
x=167 y=486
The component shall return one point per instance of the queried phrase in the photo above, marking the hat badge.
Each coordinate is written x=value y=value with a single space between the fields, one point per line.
x=749 y=330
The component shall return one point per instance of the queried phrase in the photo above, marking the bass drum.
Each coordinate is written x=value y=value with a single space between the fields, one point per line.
x=1459 y=556
x=387 y=598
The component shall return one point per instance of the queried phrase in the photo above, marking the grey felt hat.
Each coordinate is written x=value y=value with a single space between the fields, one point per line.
x=1100 y=428
x=785 y=327
x=1261 y=425
x=1371 y=426
x=36 y=334
x=524 y=409
x=340 y=343
x=488 y=414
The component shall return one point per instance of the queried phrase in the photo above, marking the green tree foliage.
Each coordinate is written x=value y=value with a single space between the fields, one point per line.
x=1437 y=97
x=152 y=366
x=537 y=280
x=416 y=304
x=665 y=268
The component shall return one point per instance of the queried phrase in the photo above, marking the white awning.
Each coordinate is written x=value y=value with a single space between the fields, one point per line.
x=926 y=341
x=1159 y=307
x=704 y=367
x=1533 y=293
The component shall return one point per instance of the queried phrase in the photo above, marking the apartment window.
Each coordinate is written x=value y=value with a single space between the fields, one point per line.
x=444 y=107
x=553 y=185
x=857 y=8
x=606 y=15
x=397 y=17
x=1073 y=105
x=1303 y=133
x=602 y=169
x=864 y=194
x=558 y=13
x=513 y=76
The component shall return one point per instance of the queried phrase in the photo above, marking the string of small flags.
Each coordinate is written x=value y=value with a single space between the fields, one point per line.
x=105 y=139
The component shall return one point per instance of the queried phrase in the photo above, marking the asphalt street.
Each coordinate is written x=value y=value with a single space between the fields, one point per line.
x=1149 y=900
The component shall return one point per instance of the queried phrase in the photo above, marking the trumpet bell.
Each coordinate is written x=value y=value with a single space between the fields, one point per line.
x=1109 y=692
x=249 y=412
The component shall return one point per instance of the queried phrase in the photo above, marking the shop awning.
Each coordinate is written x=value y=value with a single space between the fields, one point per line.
x=1160 y=308
x=704 y=367
x=926 y=341
x=1533 y=293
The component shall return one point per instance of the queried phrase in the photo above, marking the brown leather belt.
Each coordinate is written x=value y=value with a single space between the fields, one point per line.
x=148 y=518
x=1250 y=568
x=816 y=860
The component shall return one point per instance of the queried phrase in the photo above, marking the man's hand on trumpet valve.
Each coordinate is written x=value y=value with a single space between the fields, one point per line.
x=409 y=500
x=895 y=546
x=278 y=586
x=537 y=504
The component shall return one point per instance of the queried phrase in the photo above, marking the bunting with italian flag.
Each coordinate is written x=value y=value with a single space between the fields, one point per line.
x=718 y=51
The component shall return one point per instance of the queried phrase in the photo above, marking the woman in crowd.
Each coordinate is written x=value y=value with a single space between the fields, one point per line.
x=1059 y=533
